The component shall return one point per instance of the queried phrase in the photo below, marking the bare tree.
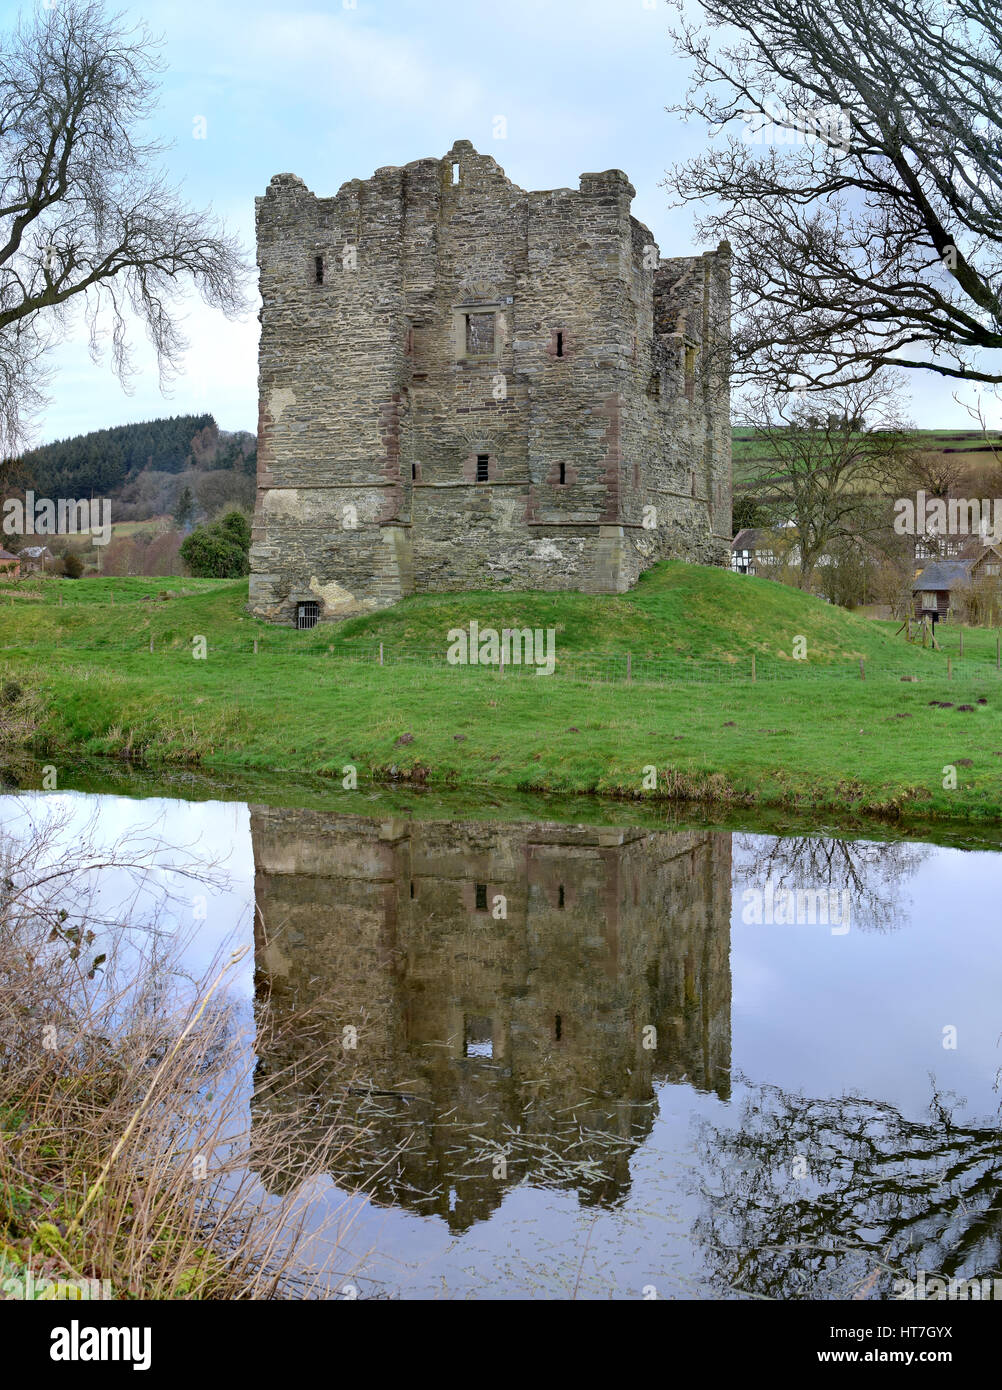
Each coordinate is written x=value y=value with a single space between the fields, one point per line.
x=981 y=602
x=85 y=215
x=934 y=472
x=863 y=197
x=824 y=462
x=939 y=475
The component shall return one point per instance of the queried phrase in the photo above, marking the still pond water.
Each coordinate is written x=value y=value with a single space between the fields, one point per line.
x=610 y=1061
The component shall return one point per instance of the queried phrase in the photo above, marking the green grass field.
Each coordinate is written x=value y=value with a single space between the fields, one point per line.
x=749 y=452
x=689 y=613
x=814 y=736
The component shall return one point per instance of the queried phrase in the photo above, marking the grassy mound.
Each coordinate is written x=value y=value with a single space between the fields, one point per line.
x=677 y=611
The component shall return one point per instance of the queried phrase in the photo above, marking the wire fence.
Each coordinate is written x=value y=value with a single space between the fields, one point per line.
x=641 y=668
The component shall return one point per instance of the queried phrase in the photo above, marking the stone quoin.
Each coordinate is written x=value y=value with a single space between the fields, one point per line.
x=464 y=385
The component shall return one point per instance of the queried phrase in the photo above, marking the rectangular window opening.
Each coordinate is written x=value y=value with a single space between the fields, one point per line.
x=560 y=896
x=455 y=171
x=483 y=467
x=318 y=269
x=307 y=614
x=478 y=1037
x=563 y=473
x=560 y=345
x=481 y=898
x=479 y=335
x=558 y=1027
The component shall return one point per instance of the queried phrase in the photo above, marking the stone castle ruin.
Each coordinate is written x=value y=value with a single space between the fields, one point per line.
x=464 y=385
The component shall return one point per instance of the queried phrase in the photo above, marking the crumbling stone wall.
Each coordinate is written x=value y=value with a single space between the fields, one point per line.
x=405 y=447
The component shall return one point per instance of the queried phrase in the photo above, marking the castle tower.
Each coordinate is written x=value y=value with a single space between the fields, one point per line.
x=467 y=385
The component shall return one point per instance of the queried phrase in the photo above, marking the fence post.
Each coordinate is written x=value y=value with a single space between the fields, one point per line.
x=998 y=652
x=380 y=653
x=151 y=645
x=255 y=646
x=862 y=670
x=753 y=668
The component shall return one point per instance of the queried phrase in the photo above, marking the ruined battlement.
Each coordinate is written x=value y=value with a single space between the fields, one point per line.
x=467 y=385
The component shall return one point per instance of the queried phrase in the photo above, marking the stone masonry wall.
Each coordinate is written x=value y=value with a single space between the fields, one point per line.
x=401 y=450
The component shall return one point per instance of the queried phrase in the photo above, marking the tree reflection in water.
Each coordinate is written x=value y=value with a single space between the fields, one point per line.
x=871 y=875
x=881 y=1196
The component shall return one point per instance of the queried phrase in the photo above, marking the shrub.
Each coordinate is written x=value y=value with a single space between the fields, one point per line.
x=221 y=550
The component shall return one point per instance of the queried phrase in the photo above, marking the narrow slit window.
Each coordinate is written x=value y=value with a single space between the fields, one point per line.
x=558 y=1027
x=412 y=888
x=560 y=345
x=479 y=334
x=690 y=374
x=481 y=897
x=563 y=473
x=413 y=472
x=318 y=269
x=455 y=171
x=483 y=467
x=307 y=614
x=560 y=896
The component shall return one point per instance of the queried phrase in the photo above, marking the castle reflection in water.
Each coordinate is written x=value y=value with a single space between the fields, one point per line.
x=519 y=991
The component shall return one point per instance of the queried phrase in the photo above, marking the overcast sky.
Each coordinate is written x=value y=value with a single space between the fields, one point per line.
x=335 y=90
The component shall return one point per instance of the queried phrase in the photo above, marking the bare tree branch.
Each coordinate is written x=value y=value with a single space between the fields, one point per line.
x=85 y=215
x=863 y=197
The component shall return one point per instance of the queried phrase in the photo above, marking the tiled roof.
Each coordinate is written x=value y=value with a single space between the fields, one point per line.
x=944 y=574
x=748 y=539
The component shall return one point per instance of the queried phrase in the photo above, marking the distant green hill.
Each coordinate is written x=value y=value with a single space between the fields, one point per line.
x=103 y=461
x=749 y=450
